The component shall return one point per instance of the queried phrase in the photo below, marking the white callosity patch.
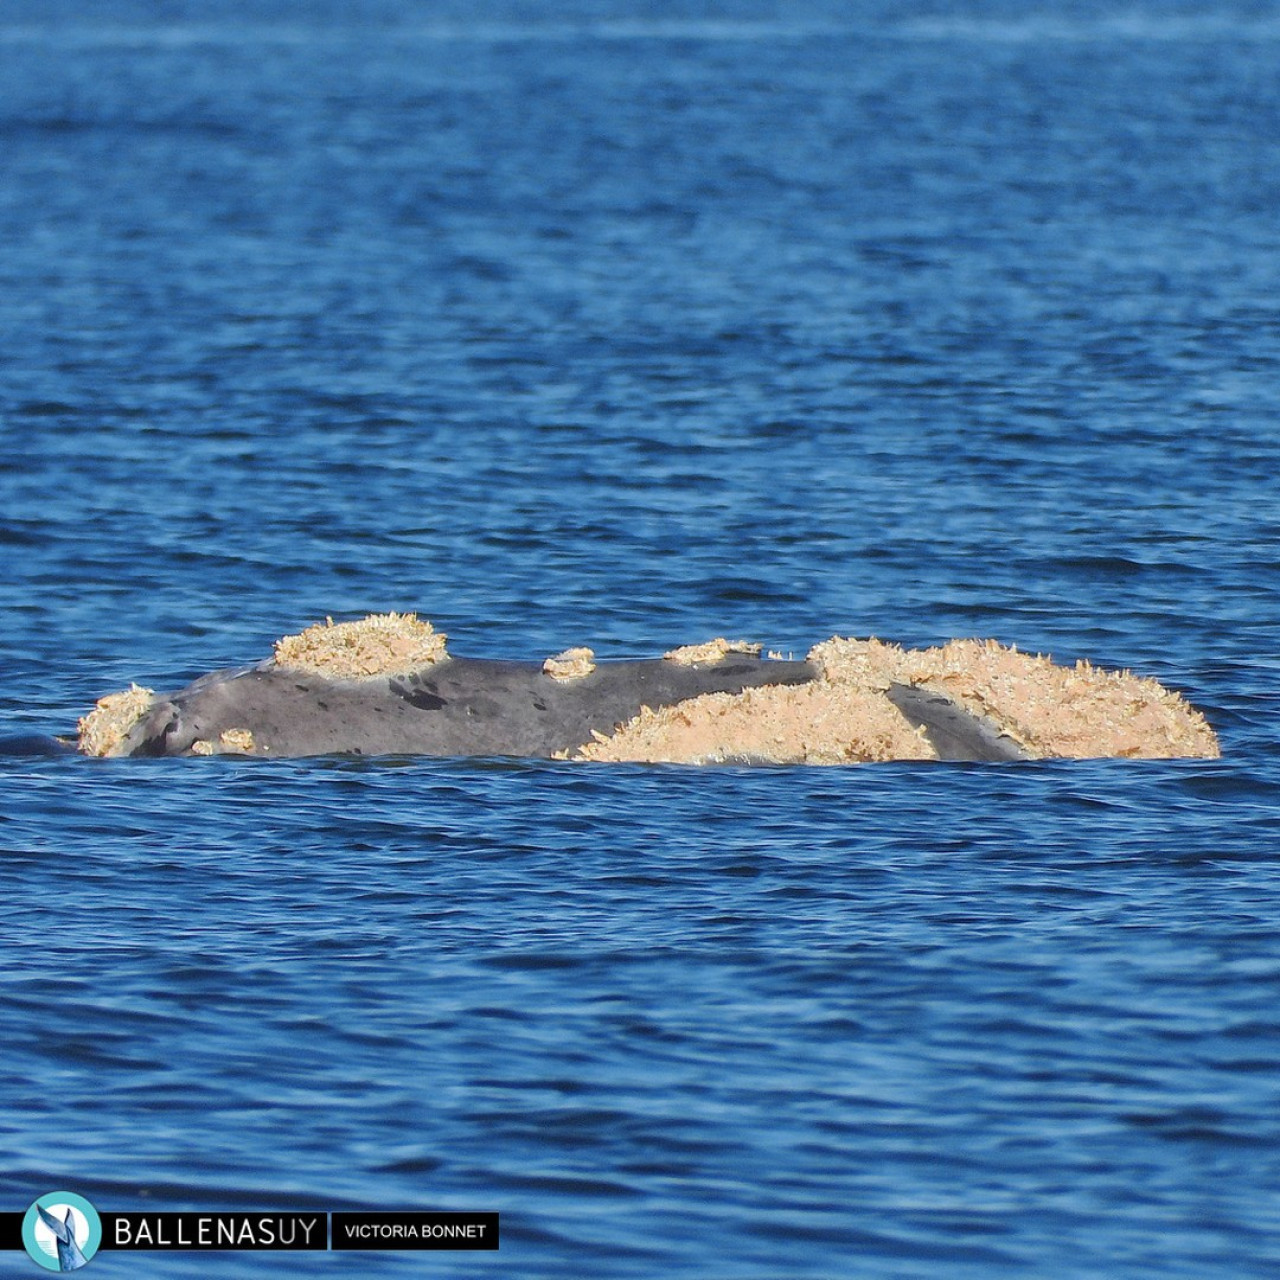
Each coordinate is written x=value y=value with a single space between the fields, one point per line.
x=104 y=729
x=571 y=664
x=231 y=742
x=713 y=651
x=1050 y=710
x=845 y=715
x=380 y=645
x=813 y=723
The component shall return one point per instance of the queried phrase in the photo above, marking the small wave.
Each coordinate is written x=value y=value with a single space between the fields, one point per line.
x=185 y=35
x=1035 y=28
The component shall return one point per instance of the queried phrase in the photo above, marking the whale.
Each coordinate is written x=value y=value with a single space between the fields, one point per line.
x=456 y=707
x=70 y=1258
x=388 y=686
x=486 y=707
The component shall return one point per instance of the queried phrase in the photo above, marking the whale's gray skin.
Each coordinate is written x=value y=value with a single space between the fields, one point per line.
x=455 y=707
x=484 y=707
x=953 y=732
x=69 y=1256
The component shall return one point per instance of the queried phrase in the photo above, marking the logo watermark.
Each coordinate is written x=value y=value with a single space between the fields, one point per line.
x=61 y=1231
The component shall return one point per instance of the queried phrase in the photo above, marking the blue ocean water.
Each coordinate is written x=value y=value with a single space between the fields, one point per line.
x=630 y=324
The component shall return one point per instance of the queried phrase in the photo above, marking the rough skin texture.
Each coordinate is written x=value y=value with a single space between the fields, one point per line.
x=713 y=651
x=104 y=728
x=1048 y=710
x=572 y=664
x=379 y=645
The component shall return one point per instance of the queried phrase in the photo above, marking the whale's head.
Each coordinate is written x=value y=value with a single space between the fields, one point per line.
x=162 y=731
x=134 y=723
x=204 y=718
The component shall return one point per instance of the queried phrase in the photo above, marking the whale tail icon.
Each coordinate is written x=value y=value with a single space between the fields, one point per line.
x=69 y=1256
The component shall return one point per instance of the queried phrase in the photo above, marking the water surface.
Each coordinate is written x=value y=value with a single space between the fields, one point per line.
x=629 y=326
